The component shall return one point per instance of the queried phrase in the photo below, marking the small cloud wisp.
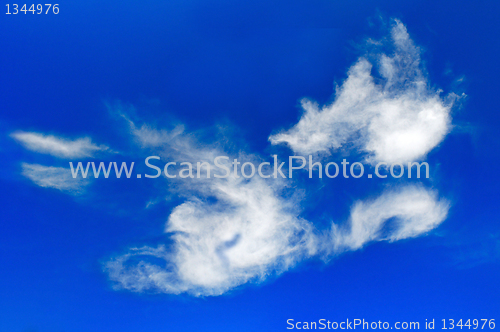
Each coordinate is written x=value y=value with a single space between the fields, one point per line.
x=57 y=146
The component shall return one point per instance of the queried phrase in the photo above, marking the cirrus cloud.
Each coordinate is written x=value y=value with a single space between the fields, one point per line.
x=54 y=177
x=395 y=118
x=57 y=146
x=231 y=231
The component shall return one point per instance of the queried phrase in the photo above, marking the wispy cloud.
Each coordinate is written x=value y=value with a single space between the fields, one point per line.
x=252 y=233
x=397 y=214
x=233 y=231
x=395 y=117
x=57 y=146
x=248 y=233
x=230 y=231
x=54 y=177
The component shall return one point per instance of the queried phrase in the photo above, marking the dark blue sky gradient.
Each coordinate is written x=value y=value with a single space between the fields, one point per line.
x=248 y=64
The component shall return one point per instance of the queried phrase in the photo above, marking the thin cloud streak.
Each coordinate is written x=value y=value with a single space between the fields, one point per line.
x=54 y=177
x=57 y=146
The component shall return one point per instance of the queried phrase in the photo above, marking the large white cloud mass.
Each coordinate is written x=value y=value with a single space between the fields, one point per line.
x=252 y=231
x=394 y=118
x=230 y=231
x=248 y=235
x=249 y=232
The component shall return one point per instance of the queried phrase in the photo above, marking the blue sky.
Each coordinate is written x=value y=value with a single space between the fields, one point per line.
x=119 y=81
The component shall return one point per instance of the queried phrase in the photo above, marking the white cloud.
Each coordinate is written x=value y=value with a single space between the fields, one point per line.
x=228 y=232
x=233 y=231
x=174 y=143
x=53 y=177
x=395 y=118
x=398 y=214
x=249 y=234
x=57 y=146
